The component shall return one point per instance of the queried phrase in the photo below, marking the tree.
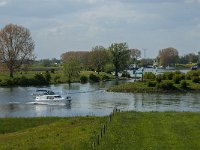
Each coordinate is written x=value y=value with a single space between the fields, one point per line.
x=120 y=56
x=71 y=69
x=135 y=54
x=98 y=58
x=16 y=46
x=168 y=56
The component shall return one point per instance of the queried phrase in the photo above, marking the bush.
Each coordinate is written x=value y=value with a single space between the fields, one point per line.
x=168 y=75
x=149 y=75
x=23 y=81
x=159 y=78
x=125 y=74
x=177 y=78
x=47 y=76
x=151 y=84
x=105 y=78
x=166 y=85
x=195 y=79
x=7 y=82
x=40 y=79
x=57 y=79
x=94 y=78
x=83 y=79
x=52 y=70
x=184 y=84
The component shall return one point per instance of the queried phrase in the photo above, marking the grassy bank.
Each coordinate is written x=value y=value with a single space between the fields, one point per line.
x=34 y=78
x=165 y=82
x=143 y=87
x=127 y=130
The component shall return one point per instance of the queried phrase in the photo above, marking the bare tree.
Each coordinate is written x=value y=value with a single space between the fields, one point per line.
x=135 y=54
x=16 y=46
x=168 y=56
x=98 y=58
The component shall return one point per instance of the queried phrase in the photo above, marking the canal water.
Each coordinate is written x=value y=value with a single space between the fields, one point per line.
x=91 y=99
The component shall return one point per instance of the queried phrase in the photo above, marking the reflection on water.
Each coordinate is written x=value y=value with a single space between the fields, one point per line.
x=91 y=99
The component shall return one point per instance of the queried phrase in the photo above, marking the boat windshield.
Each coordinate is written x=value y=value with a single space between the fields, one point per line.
x=58 y=96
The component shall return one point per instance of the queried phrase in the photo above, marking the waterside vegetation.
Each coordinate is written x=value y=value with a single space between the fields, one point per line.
x=166 y=82
x=35 y=78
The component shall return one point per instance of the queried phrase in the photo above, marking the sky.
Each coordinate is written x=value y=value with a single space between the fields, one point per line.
x=59 y=26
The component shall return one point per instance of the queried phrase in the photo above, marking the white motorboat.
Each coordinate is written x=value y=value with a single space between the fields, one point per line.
x=52 y=99
x=40 y=92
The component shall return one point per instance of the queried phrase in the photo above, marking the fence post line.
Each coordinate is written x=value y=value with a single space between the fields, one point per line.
x=98 y=139
x=104 y=129
x=93 y=145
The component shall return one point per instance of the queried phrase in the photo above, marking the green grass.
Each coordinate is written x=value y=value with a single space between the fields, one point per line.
x=127 y=130
x=132 y=87
x=142 y=87
x=56 y=78
x=54 y=133
x=153 y=130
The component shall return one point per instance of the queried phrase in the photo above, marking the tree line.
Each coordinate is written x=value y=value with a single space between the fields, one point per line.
x=17 y=50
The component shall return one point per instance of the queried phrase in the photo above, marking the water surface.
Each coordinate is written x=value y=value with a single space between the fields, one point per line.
x=92 y=99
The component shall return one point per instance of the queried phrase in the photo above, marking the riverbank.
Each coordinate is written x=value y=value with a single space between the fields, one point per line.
x=143 y=87
x=127 y=130
x=38 y=78
x=167 y=82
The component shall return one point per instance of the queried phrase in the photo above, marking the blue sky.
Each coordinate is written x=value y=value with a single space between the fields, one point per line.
x=58 y=26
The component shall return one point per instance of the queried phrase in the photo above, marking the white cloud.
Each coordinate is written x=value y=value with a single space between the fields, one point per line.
x=3 y=2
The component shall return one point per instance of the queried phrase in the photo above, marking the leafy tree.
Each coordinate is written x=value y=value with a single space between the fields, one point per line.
x=188 y=58
x=98 y=58
x=71 y=69
x=16 y=46
x=120 y=56
x=146 y=62
x=168 y=56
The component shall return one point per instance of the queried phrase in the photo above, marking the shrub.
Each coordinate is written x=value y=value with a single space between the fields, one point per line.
x=47 y=76
x=166 y=85
x=57 y=79
x=158 y=78
x=23 y=81
x=195 y=79
x=94 y=78
x=168 y=75
x=184 y=84
x=83 y=79
x=105 y=77
x=52 y=70
x=7 y=82
x=125 y=74
x=151 y=84
x=149 y=75
x=177 y=78
x=39 y=79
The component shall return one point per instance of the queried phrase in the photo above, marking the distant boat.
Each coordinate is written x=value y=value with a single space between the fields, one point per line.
x=169 y=68
x=195 y=67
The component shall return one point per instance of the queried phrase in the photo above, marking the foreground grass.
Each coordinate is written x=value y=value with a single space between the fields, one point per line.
x=153 y=130
x=127 y=130
x=53 y=133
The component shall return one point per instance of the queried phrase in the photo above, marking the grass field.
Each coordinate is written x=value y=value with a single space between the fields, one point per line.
x=127 y=130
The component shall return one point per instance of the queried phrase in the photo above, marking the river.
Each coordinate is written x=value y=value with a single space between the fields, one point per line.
x=91 y=99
